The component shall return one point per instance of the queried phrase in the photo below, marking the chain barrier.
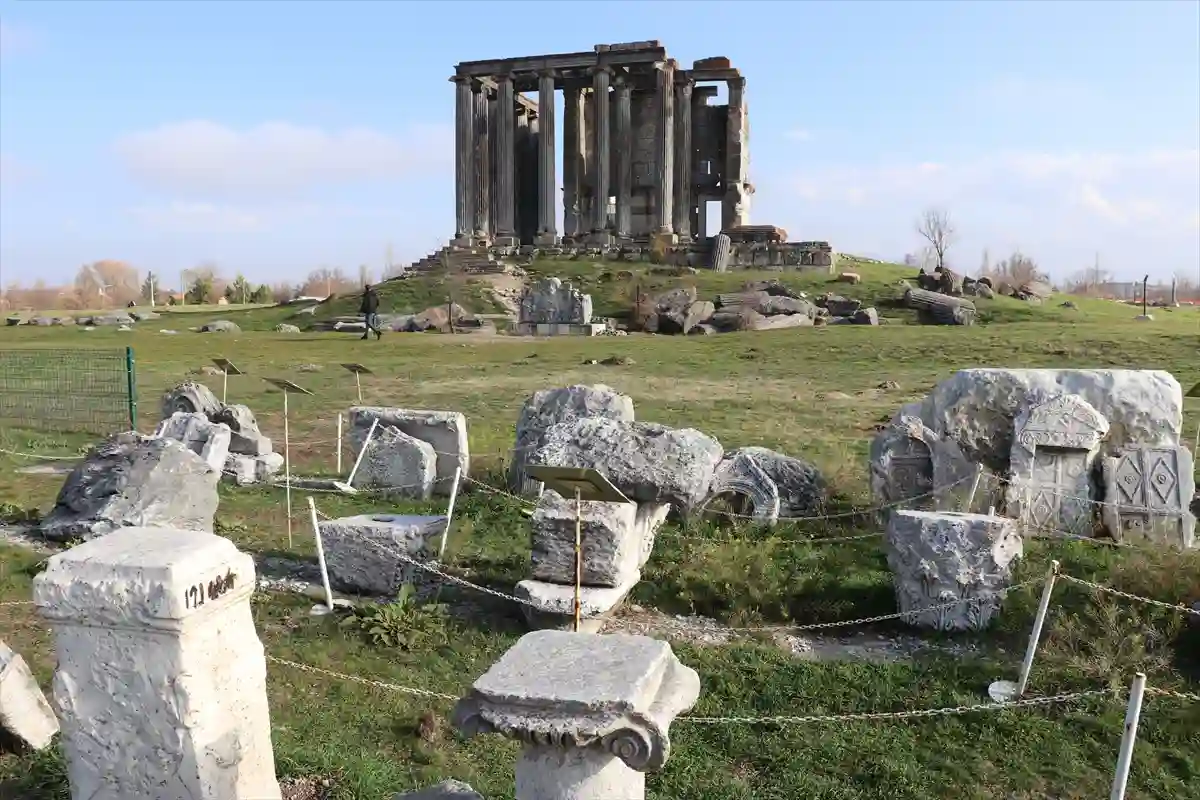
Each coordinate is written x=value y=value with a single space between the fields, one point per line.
x=923 y=713
x=19 y=454
x=18 y=603
x=1187 y=697
x=391 y=687
x=1102 y=588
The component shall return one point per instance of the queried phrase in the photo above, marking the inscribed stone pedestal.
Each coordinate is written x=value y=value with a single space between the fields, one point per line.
x=161 y=679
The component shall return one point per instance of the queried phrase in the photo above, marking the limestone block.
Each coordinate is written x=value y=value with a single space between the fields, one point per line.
x=195 y=432
x=977 y=408
x=1055 y=442
x=616 y=539
x=445 y=431
x=944 y=557
x=741 y=476
x=363 y=553
x=446 y=790
x=247 y=439
x=800 y=485
x=400 y=463
x=133 y=480
x=552 y=605
x=552 y=300
x=190 y=398
x=24 y=712
x=649 y=463
x=161 y=680
x=593 y=711
x=552 y=406
x=249 y=470
x=1149 y=495
x=913 y=467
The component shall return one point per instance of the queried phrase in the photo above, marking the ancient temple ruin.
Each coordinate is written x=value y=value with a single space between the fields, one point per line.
x=644 y=148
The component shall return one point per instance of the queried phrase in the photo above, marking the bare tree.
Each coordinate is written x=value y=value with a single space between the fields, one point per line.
x=935 y=227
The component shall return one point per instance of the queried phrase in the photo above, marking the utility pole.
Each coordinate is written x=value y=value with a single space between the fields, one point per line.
x=150 y=281
x=182 y=287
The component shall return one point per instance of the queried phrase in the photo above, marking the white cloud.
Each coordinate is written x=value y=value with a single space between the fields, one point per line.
x=203 y=159
x=183 y=217
x=1139 y=207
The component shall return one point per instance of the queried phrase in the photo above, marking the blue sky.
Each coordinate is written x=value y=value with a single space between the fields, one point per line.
x=273 y=138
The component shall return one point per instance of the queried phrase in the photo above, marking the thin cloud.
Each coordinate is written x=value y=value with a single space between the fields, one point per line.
x=204 y=159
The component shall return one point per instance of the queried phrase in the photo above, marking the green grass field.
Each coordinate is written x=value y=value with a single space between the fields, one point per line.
x=816 y=393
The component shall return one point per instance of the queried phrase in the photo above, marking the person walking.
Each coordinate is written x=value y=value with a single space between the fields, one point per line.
x=369 y=308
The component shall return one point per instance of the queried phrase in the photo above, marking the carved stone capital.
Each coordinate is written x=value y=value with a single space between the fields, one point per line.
x=617 y=693
x=460 y=79
x=504 y=77
x=600 y=68
x=547 y=73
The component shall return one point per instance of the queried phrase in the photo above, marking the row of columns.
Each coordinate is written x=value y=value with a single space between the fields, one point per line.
x=478 y=121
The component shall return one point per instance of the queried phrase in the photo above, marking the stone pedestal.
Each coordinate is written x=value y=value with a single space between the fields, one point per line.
x=161 y=681
x=593 y=711
x=943 y=557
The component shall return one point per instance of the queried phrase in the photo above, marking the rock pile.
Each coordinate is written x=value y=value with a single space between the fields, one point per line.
x=760 y=305
x=250 y=459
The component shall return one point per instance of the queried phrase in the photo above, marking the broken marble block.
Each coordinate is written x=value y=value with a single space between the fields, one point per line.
x=130 y=480
x=247 y=439
x=197 y=433
x=373 y=553
x=24 y=712
x=592 y=712
x=399 y=463
x=445 y=431
x=549 y=407
x=649 y=463
x=446 y=790
x=741 y=476
x=613 y=539
x=190 y=398
x=1148 y=491
x=552 y=605
x=939 y=558
x=249 y=470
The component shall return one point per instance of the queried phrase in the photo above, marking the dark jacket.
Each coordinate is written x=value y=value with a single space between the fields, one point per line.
x=370 y=302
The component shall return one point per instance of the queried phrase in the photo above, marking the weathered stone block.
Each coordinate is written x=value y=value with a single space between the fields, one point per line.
x=364 y=553
x=614 y=539
x=24 y=712
x=552 y=605
x=133 y=480
x=445 y=431
x=549 y=407
x=649 y=463
x=161 y=681
x=446 y=790
x=195 y=432
x=249 y=470
x=942 y=557
x=552 y=300
x=1148 y=494
x=402 y=464
x=247 y=439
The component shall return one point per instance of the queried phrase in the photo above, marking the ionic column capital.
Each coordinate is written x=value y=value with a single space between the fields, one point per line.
x=600 y=69
x=460 y=79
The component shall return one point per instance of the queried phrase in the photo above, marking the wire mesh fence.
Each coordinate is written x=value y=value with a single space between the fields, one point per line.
x=68 y=391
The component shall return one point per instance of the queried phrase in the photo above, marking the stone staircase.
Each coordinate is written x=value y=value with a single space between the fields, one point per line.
x=470 y=261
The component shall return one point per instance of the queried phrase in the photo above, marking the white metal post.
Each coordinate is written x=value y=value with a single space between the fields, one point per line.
x=1036 y=633
x=1133 y=712
x=316 y=526
x=450 y=511
x=578 y=559
x=339 y=445
x=224 y=382
x=287 y=467
x=358 y=384
x=362 y=451
x=974 y=488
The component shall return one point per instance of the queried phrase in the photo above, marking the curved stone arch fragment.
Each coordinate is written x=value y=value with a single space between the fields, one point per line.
x=741 y=475
x=190 y=398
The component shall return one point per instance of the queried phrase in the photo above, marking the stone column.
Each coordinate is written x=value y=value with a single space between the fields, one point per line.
x=547 y=230
x=161 y=681
x=506 y=169
x=699 y=113
x=684 y=168
x=464 y=161
x=572 y=157
x=732 y=205
x=483 y=166
x=624 y=137
x=601 y=76
x=664 y=149
x=593 y=712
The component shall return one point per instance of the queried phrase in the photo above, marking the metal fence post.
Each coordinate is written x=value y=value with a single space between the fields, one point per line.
x=131 y=385
x=1133 y=712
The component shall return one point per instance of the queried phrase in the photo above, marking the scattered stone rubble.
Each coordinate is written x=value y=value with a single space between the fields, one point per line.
x=251 y=457
x=1055 y=436
x=24 y=712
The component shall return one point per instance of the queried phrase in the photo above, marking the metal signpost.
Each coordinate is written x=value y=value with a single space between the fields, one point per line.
x=359 y=370
x=287 y=387
x=582 y=484
x=227 y=368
